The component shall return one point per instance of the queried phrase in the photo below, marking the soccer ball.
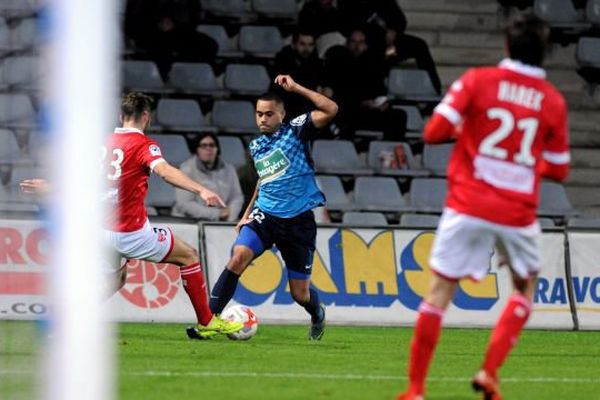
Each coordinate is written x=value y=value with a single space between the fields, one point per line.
x=245 y=315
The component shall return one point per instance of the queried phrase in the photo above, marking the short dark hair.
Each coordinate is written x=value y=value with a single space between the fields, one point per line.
x=527 y=40
x=270 y=96
x=302 y=31
x=134 y=104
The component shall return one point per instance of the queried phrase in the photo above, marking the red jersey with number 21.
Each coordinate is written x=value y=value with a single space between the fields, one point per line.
x=508 y=119
x=129 y=158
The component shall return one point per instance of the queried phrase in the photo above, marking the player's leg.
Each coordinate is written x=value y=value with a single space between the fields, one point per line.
x=426 y=334
x=246 y=248
x=460 y=249
x=518 y=249
x=297 y=245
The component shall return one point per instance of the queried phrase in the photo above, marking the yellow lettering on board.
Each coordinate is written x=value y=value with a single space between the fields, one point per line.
x=486 y=288
x=320 y=276
x=418 y=281
x=371 y=264
x=264 y=274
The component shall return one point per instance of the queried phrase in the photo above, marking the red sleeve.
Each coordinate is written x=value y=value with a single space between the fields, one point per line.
x=149 y=153
x=438 y=130
x=555 y=154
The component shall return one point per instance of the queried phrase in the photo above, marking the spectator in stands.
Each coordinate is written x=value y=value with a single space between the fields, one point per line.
x=385 y=25
x=300 y=60
x=212 y=172
x=166 y=30
x=357 y=82
x=319 y=17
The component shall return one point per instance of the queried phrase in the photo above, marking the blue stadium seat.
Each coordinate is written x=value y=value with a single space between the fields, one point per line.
x=244 y=79
x=337 y=199
x=276 y=8
x=174 y=148
x=414 y=122
x=373 y=193
x=411 y=85
x=227 y=8
x=554 y=201
x=377 y=150
x=592 y=12
x=260 y=41
x=143 y=76
x=21 y=73
x=228 y=47
x=428 y=195
x=181 y=115
x=356 y=218
x=338 y=157
x=195 y=78
x=234 y=116
x=16 y=111
x=233 y=151
x=419 y=220
x=436 y=158
x=9 y=150
x=160 y=193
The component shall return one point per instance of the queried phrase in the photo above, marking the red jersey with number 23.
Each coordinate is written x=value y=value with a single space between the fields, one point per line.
x=508 y=118
x=129 y=158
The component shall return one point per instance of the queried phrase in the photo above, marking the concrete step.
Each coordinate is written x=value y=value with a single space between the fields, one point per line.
x=583 y=120
x=561 y=57
x=455 y=6
x=590 y=212
x=583 y=101
x=585 y=158
x=584 y=177
x=451 y=21
x=486 y=40
x=465 y=57
x=583 y=196
x=585 y=138
x=566 y=80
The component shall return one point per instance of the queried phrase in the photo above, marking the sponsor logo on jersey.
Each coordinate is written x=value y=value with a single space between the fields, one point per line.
x=299 y=121
x=155 y=150
x=272 y=166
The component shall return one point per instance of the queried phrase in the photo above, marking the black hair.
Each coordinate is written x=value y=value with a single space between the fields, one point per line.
x=303 y=31
x=527 y=40
x=270 y=96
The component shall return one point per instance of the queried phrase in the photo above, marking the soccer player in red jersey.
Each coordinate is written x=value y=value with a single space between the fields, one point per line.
x=510 y=127
x=129 y=158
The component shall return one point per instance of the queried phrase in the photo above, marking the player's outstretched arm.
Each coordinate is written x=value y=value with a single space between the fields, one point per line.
x=176 y=177
x=244 y=220
x=326 y=109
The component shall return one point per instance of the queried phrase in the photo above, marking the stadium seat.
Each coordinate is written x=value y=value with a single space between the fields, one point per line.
x=376 y=150
x=338 y=157
x=181 y=116
x=232 y=150
x=142 y=76
x=245 y=79
x=24 y=35
x=152 y=212
x=9 y=150
x=436 y=158
x=428 y=195
x=414 y=122
x=18 y=8
x=160 y=193
x=328 y=40
x=276 y=8
x=584 y=223
x=378 y=194
x=559 y=14
x=227 y=8
x=588 y=59
x=19 y=173
x=337 y=199
x=364 y=218
x=5 y=38
x=419 y=220
x=228 y=47
x=21 y=73
x=592 y=12
x=234 y=116
x=195 y=78
x=411 y=85
x=260 y=41
x=16 y=111
x=174 y=148
x=17 y=208
x=554 y=201
x=546 y=223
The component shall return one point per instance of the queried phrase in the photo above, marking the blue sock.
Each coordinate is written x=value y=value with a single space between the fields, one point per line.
x=313 y=306
x=223 y=291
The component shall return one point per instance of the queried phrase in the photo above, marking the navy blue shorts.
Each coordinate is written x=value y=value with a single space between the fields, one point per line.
x=294 y=237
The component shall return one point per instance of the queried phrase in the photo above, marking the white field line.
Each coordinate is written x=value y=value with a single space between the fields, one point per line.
x=340 y=377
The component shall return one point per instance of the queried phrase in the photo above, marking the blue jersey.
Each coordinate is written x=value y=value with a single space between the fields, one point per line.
x=285 y=170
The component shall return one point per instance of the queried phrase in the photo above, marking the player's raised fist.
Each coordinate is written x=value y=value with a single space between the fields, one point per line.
x=286 y=82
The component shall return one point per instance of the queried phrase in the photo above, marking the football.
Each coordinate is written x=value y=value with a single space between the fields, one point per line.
x=245 y=315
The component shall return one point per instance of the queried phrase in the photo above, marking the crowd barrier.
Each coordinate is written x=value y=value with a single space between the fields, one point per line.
x=365 y=276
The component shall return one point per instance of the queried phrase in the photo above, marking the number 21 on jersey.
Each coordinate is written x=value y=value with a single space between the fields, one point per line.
x=489 y=146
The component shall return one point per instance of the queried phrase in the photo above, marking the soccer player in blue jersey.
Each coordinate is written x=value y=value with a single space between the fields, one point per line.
x=280 y=212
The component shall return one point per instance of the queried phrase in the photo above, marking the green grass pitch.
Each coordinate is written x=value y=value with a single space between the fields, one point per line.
x=156 y=361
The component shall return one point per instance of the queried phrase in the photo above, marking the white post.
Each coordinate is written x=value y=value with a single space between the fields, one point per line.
x=81 y=92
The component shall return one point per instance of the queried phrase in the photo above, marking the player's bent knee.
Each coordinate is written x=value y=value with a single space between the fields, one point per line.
x=240 y=259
